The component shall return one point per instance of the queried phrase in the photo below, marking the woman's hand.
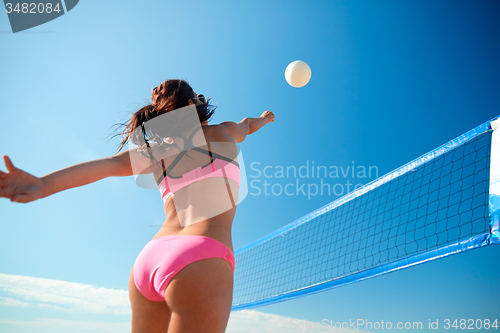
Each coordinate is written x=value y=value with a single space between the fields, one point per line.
x=19 y=186
x=268 y=115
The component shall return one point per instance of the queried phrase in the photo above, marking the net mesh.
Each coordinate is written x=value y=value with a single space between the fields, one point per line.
x=441 y=202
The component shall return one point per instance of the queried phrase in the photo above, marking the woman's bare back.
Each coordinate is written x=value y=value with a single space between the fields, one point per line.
x=216 y=195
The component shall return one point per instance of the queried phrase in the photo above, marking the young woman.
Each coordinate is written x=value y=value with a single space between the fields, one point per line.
x=182 y=281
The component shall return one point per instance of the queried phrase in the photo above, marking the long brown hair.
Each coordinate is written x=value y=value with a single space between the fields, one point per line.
x=168 y=96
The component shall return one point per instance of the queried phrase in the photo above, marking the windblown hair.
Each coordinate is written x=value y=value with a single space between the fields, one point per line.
x=168 y=96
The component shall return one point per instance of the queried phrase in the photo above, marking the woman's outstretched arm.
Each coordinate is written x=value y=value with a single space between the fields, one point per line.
x=85 y=173
x=248 y=125
x=20 y=186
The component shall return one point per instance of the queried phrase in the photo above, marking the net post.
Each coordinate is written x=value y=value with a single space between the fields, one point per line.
x=494 y=192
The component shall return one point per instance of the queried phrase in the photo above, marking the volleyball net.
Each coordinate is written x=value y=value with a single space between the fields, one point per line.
x=442 y=203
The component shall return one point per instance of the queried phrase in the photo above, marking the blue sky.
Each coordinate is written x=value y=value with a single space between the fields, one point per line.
x=391 y=80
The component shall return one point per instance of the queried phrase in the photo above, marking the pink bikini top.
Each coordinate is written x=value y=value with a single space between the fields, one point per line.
x=219 y=166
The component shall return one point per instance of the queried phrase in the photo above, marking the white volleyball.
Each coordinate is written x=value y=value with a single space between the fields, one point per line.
x=297 y=74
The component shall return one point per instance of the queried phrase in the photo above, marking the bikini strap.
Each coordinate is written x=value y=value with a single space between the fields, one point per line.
x=187 y=147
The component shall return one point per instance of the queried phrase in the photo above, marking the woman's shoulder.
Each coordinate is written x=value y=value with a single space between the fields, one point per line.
x=218 y=133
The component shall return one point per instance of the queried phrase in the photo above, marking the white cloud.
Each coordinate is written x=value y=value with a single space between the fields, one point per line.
x=60 y=325
x=73 y=297
x=62 y=295
x=251 y=321
x=17 y=303
x=12 y=302
x=245 y=321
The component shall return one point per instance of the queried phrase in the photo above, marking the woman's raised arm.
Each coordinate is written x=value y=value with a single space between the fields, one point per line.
x=247 y=126
x=20 y=186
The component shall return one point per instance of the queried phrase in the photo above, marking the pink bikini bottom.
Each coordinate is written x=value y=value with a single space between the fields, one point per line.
x=163 y=257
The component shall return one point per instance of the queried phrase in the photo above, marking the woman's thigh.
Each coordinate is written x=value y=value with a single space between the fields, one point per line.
x=200 y=297
x=147 y=316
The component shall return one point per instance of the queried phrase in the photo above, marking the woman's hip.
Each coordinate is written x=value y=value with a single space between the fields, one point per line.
x=163 y=257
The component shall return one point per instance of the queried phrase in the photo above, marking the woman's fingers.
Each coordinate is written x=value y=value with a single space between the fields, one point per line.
x=17 y=185
x=8 y=163
x=5 y=189
x=22 y=198
x=3 y=175
x=269 y=115
x=3 y=186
